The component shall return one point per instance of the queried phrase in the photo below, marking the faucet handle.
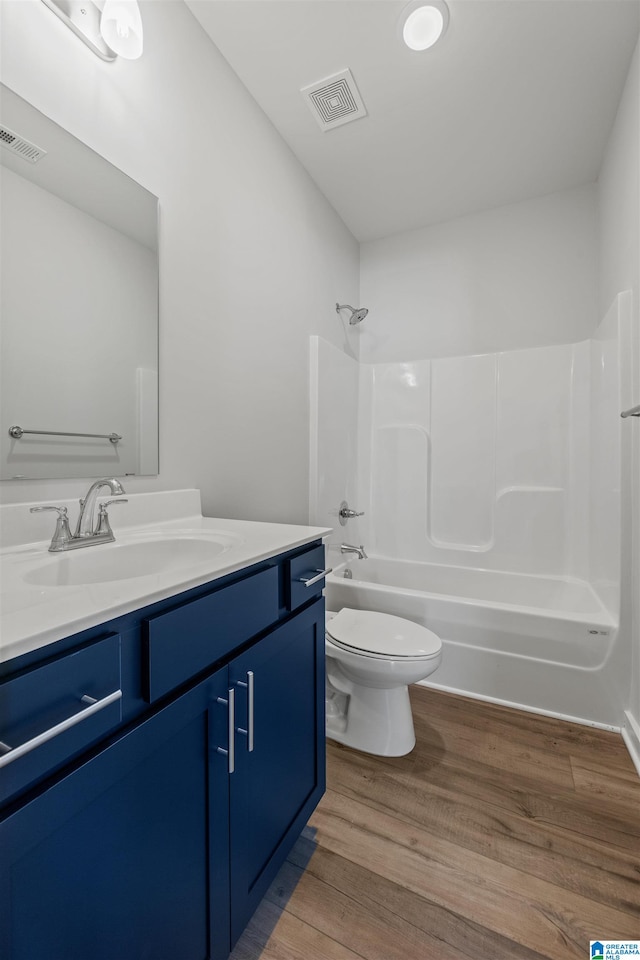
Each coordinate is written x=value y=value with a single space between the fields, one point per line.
x=104 y=527
x=346 y=513
x=62 y=533
x=62 y=511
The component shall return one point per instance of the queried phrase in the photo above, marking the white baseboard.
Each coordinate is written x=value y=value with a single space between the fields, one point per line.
x=554 y=714
x=631 y=737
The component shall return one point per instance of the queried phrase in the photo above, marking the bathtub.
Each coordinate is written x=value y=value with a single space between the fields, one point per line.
x=534 y=642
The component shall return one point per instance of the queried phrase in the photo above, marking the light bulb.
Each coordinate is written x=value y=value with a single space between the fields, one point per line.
x=121 y=28
x=424 y=25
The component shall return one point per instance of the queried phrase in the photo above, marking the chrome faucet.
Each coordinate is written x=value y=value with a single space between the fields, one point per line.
x=347 y=548
x=87 y=533
x=86 y=526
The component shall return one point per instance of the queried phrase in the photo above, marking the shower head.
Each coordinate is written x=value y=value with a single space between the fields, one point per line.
x=357 y=314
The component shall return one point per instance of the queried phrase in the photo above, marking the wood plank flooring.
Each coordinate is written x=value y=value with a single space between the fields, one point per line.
x=503 y=835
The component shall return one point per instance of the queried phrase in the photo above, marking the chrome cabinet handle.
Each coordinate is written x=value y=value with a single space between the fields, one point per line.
x=249 y=686
x=230 y=753
x=633 y=412
x=9 y=754
x=321 y=574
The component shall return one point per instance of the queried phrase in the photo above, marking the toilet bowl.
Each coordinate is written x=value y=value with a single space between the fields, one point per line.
x=371 y=659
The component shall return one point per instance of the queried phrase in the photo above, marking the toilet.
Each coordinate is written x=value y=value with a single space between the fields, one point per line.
x=371 y=659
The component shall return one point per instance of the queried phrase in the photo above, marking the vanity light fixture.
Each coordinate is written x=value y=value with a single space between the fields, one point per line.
x=121 y=27
x=423 y=22
x=111 y=29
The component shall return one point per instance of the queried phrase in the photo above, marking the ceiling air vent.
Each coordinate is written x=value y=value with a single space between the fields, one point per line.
x=28 y=151
x=334 y=100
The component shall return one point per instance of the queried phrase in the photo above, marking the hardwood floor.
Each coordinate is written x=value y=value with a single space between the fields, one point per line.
x=503 y=835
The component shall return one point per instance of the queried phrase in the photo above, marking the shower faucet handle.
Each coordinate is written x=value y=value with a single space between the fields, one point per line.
x=346 y=513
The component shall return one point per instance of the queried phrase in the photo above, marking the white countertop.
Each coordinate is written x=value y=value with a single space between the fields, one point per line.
x=32 y=616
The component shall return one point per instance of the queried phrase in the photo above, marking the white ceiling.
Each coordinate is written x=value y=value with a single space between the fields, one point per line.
x=516 y=101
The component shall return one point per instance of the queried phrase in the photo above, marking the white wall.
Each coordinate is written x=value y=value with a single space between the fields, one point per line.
x=619 y=215
x=518 y=276
x=57 y=346
x=252 y=257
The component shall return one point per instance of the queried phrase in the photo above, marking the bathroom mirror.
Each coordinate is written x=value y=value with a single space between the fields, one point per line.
x=78 y=307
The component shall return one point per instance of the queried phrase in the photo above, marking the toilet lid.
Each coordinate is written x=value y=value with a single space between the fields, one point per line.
x=380 y=634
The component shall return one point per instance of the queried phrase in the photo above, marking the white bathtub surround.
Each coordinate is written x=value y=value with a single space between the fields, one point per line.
x=492 y=511
x=611 y=391
x=480 y=461
x=480 y=457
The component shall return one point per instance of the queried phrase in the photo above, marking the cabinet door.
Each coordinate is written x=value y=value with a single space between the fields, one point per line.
x=276 y=786
x=114 y=860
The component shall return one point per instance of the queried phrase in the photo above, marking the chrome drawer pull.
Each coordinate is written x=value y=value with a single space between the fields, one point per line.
x=320 y=575
x=14 y=753
x=249 y=685
x=231 y=752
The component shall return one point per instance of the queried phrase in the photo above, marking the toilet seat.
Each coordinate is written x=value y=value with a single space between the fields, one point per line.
x=382 y=636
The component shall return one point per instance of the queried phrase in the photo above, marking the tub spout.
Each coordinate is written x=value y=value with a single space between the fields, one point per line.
x=348 y=548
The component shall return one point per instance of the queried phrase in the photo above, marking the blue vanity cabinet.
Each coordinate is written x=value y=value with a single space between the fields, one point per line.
x=114 y=860
x=158 y=842
x=277 y=784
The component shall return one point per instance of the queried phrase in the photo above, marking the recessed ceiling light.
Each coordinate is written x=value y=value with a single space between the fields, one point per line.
x=423 y=23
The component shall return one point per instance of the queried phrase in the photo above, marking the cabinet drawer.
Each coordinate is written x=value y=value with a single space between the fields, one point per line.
x=181 y=643
x=305 y=566
x=55 y=711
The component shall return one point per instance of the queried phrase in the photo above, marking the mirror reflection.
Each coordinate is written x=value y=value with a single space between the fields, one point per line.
x=78 y=307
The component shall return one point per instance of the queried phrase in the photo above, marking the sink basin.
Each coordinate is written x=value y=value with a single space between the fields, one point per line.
x=123 y=561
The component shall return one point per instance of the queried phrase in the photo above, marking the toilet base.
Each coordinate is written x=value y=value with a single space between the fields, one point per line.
x=372 y=720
